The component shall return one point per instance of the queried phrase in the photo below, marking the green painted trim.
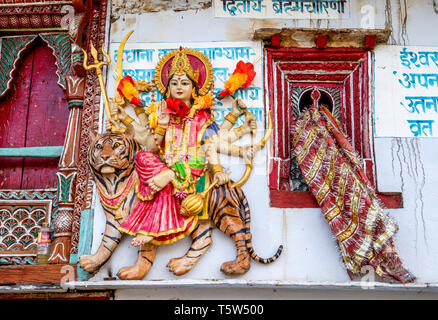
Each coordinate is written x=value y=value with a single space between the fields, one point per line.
x=64 y=186
x=85 y=242
x=36 y=152
x=75 y=103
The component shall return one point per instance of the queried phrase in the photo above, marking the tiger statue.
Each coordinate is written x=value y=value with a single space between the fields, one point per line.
x=111 y=160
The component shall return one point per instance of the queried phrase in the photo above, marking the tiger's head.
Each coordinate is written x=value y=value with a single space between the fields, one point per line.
x=112 y=152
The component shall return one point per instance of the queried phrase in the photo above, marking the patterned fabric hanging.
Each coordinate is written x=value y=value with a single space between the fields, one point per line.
x=350 y=205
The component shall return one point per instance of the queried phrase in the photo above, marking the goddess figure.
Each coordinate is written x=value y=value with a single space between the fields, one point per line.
x=176 y=138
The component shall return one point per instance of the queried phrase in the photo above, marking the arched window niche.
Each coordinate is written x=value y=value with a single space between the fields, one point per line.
x=344 y=78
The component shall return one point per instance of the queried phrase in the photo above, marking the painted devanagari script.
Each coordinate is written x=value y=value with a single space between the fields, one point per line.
x=282 y=9
x=406 y=91
x=140 y=60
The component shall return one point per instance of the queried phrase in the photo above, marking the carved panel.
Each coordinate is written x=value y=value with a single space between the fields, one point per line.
x=21 y=215
x=90 y=120
x=335 y=94
x=32 y=15
x=60 y=45
x=346 y=69
x=14 y=47
x=12 y=50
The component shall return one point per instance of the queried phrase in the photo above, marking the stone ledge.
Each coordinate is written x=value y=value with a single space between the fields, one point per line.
x=306 y=37
x=232 y=283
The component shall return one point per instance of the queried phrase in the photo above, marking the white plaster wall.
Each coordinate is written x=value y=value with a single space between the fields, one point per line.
x=310 y=254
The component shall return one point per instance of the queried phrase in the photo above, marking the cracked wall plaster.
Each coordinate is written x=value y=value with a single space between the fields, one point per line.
x=121 y=7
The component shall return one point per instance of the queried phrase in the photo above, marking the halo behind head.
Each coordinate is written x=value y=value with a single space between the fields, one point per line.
x=184 y=60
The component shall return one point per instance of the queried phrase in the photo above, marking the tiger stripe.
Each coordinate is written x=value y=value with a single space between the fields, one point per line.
x=227 y=207
x=230 y=212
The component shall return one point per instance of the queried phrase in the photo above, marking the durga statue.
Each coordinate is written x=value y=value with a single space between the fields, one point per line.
x=175 y=152
x=159 y=176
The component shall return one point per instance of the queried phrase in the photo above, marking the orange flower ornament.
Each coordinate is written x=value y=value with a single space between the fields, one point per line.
x=126 y=88
x=242 y=77
x=204 y=102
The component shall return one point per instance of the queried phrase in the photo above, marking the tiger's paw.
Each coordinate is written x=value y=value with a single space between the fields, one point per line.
x=234 y=267
x=180 y=266
x=136 y=272
x=91 y=263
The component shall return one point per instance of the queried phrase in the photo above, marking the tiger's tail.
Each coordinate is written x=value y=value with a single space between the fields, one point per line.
x=247 y=220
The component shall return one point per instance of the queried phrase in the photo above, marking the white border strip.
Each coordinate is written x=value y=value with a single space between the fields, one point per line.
x=232 y=283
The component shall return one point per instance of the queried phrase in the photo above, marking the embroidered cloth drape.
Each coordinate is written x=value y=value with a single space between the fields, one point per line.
x=349 y=203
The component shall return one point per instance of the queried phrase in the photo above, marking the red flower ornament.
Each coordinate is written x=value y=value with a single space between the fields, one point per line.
x=176 y=106
x=242 y=77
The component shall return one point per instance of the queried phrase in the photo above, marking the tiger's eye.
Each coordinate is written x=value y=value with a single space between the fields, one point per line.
x=99 y=146
x=116 y=145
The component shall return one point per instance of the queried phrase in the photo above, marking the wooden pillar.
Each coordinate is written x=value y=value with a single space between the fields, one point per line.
x=69 y=161
x=67 y=172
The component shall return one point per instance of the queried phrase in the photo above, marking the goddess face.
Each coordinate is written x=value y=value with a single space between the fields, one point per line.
x=181 y=87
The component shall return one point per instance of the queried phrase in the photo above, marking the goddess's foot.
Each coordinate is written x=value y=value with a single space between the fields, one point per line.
x=161 y=180
x=141 y=240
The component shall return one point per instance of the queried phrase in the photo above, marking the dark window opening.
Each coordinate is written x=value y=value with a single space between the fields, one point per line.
x=306 y=100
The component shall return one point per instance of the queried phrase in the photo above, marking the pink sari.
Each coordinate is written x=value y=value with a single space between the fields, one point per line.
x=158 y=214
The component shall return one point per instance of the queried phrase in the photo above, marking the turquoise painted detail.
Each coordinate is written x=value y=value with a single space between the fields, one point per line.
x=37 y=152
x=85 y=241
x=12 y=49
x=64 y=186
x=75 y=103
x=60 y=45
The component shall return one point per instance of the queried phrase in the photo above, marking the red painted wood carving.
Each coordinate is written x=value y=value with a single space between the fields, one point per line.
x=344 y=70
x=43 y=113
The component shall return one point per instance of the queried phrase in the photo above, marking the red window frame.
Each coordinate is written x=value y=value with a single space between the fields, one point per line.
x=349 y=69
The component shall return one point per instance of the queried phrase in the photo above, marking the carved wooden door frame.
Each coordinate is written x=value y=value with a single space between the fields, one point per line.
x=84 y=21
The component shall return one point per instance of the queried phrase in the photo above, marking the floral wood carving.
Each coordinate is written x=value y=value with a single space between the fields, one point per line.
x=60 y=45
x=12 y=49
x=90 y=121
x=21 y=214
x=32 y=15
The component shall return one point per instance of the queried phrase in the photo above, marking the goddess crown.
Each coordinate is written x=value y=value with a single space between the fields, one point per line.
x=184 y=61
x=181 y=65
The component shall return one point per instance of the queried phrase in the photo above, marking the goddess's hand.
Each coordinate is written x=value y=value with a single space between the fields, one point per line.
x=162 y=116
x=222 y=178
x=250 y=124
x=109 y=124
x=248 y=153
x=238 y=103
